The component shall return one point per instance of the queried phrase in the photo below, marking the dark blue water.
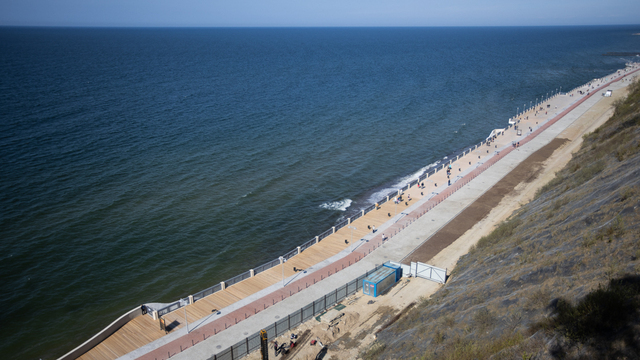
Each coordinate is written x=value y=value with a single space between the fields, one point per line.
x=143 y=165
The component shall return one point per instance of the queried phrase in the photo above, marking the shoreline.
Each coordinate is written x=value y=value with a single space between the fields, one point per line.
x=442 y=188
x=401 y=297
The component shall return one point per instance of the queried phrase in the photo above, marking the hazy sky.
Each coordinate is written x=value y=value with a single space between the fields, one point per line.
x=317 y=12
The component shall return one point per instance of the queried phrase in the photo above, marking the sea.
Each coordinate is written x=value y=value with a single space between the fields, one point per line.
x=142 y=165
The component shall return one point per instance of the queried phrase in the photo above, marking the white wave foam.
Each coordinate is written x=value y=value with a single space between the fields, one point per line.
x=341 y=205
x=401 y=183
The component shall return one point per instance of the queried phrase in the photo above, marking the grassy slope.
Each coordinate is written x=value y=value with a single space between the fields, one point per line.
x=557 y=279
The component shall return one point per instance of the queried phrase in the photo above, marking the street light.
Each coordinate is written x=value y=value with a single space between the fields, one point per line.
x=395 y=209
x=282 y=261
x=184 y=303
x=352 y=228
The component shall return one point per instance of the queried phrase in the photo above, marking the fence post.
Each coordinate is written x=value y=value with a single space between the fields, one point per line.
x=247 y=341
x=231 y=347
x=252 y=273
x=190 y=299
x=334 y=229
x=299 y=250
x=362 y=212
x=317 y=239
x=222 y=285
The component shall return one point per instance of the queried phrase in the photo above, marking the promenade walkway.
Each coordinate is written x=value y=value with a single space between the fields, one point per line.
x=259 y=300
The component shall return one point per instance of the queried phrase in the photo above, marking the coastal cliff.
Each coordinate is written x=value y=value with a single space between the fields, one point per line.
x=560 y=278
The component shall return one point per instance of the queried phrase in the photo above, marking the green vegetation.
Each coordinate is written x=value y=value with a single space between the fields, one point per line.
x=559 y=279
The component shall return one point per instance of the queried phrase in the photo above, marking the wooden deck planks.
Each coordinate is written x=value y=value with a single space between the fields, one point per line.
x=136 y=333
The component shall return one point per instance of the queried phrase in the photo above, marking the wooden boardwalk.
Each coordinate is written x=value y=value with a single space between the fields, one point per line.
x=144 y=330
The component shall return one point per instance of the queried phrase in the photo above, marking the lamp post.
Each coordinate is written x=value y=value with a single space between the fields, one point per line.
x=395 y=209
x=282 y=261
x=352 y=228
x=517 y=111
x=184 y=304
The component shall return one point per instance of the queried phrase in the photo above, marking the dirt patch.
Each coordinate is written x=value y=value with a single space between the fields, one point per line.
x=302 y=339
x=395 y=318
x=526 y=172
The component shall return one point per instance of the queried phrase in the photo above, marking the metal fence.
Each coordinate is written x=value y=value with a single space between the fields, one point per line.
x=171 y=307
x=236 y=279
x=307 y=245
x=207 y=292
x=266 y=266
x=290 y=254
x=251 y=343
x=325 y=234
x=341 y=224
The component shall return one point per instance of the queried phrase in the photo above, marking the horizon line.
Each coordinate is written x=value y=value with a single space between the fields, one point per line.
x=302 y=27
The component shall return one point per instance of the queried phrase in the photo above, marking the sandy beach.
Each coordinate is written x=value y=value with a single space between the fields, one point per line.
x=394 y=220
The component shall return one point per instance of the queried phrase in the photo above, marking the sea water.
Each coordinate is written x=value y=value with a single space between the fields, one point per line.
x=143 y=165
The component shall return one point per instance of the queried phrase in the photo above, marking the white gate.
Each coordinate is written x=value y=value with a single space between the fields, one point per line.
x=406 y=269
x=428 y=272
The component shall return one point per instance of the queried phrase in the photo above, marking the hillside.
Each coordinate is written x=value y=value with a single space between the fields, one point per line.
x=559 y=279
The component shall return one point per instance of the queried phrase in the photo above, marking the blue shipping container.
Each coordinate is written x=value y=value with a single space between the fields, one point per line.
x=379 y=282
x=397 y=268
